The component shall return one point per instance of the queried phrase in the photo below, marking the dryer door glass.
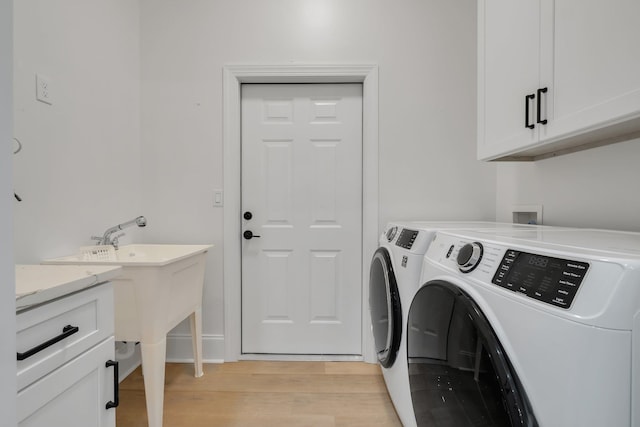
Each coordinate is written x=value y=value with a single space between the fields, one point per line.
x=384 y=306
x=459 y=373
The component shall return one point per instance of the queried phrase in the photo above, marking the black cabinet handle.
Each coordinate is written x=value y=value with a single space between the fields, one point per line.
x=540 y=92
x=249 y=235
x=116 y=392
x=67 y=331
x=526 y=111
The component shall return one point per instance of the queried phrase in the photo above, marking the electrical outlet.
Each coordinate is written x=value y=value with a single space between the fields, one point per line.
x=43 y=89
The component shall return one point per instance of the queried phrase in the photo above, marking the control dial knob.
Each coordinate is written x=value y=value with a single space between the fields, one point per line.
x=391 y=233
x=469 y=256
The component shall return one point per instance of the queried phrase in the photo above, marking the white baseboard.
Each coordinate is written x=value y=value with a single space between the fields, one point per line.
x=179 y=350
x=302 y=357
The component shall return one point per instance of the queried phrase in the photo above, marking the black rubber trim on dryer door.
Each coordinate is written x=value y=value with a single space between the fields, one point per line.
x=385 y=308
x=516 y=401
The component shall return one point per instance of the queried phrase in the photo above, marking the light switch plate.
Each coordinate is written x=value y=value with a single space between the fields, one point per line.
x=218 y=198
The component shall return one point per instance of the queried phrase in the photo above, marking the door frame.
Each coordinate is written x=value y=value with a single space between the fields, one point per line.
x=233 y=78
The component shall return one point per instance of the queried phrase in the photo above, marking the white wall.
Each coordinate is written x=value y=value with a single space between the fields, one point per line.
x=79 y=171
x=84 y=167
x=426 y=56
x=593 y=188
x=7 y=289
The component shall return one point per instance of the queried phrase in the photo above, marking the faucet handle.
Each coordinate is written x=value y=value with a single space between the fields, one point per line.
x=96 y=238
x=114 y=240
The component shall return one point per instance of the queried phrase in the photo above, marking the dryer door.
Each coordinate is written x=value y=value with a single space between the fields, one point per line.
x=384 y=306
x=458 y=371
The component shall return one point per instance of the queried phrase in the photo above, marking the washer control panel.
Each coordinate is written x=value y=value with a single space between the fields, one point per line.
x=406 y=238
x=551 y=280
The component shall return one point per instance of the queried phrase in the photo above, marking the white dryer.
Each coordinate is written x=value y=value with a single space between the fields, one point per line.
x=535 y=328
x=394 y=279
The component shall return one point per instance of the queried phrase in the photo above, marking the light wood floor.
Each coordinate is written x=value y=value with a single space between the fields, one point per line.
x=265 y=394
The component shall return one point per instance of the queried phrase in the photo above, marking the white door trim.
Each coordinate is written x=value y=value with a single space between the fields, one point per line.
x=233 y=77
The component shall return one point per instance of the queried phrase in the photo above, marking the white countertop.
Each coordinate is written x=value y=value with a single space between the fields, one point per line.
x=37 y=284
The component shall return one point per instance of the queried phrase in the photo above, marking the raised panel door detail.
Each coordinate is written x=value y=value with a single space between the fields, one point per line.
x=277 y=275
x=324 y=110
x=278 y=178
x=325 y=286
x=324 y=190
x=278 y=111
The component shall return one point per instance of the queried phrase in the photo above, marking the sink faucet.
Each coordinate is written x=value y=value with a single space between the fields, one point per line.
x=108 y=238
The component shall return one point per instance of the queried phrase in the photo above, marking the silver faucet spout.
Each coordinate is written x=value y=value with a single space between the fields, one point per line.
x=107 y=238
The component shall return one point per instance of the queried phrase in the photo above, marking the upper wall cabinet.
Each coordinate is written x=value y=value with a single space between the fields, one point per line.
x=556 y=76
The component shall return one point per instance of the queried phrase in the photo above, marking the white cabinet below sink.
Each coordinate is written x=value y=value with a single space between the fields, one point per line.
x=65 y=350
x=556 y=76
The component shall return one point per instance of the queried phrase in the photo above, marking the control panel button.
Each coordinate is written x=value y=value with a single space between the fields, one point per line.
x=450 y=251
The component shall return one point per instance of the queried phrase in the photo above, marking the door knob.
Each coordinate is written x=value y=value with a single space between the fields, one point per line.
x=247 y=215
x=249 y=235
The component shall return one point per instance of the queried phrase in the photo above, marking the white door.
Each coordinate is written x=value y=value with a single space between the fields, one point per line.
x=302 y=190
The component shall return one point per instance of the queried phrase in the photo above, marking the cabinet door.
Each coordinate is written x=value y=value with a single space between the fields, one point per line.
x=596 y=66
x=74 y=395
x=508 y=70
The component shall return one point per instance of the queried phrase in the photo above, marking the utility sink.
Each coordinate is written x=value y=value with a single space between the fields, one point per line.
x=138 y=255
x=160 y=286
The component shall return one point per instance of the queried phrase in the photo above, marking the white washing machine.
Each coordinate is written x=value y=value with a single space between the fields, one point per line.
x=394 y=279
x=534 y=328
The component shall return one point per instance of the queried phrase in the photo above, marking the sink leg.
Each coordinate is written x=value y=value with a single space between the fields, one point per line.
x=196 y=339
x=153 y=365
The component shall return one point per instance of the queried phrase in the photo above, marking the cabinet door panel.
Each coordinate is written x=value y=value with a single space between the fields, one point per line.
x=596 y=61
x=74 y=395
x=508 y=70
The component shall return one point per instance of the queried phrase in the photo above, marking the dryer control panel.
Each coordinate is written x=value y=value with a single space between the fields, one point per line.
x=551 y=280
x=407 y=238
